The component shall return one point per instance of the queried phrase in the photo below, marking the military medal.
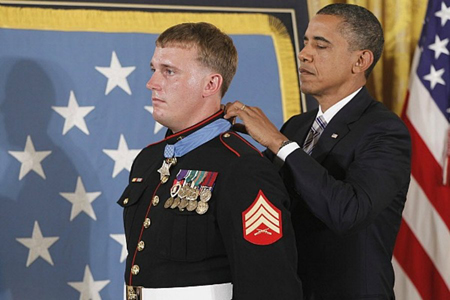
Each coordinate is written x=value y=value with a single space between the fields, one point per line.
x=202 y=207
x=206 y=189
x=175 y=203
x=164 y=171
x=174 y=190
x=205 y=195
x=168 y=202
x=192 y=205
x=183 y=204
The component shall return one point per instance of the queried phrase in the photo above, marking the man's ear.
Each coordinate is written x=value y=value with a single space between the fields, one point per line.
x=213 y=85
x=363 y=62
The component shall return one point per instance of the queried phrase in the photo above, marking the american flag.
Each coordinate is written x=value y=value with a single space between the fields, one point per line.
x=74 y=112
x=422 y=252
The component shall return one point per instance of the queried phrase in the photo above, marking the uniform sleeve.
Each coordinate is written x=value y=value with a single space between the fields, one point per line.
x=255 y=223
x=379 y=170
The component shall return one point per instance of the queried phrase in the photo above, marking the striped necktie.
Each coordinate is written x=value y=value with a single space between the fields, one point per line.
x=314 y=134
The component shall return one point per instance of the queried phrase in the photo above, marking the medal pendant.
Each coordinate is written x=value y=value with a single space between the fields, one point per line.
x=174 y=190
x=192 y=205
x=175 y=203
x=183 y=204
x=191 y=194
x=205 y=195
x=168 y=202
x=202 y=207
x=182 y=192
x=164 y=171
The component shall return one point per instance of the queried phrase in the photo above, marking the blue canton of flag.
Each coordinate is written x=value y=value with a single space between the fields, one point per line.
x=434 y=62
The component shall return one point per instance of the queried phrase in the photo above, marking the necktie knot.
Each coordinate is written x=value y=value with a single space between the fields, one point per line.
x=314 y=134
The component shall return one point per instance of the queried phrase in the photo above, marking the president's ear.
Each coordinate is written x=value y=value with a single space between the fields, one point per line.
x=213 y=85
x=363 y=61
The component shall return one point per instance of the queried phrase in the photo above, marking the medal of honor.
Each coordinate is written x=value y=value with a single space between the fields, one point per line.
x=164 y=171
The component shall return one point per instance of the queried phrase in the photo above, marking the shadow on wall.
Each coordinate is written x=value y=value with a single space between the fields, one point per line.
x=27 y=94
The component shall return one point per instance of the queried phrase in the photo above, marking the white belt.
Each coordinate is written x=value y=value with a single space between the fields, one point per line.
x=223 y=291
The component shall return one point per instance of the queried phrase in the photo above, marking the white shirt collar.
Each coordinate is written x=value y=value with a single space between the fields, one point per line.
x=333 y=110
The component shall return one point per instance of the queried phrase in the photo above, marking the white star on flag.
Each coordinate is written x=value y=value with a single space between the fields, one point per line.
x=81 y=201
x=120 y=238
x=38 y=245
x=123 y=157
x=444 y=14
x=435 y=77
x=116 y=74
x=439 y=47
x=74 y=114
x=88 y=288
x=158 y=126
x=30 y=159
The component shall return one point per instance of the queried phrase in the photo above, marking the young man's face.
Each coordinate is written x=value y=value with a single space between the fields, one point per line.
x=177 y=86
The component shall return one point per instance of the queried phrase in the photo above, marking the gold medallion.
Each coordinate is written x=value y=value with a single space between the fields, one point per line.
x=192 y=205
x=183 y=204
x=202 y=207
x=175 y=203
x=168 y=202
x=205 y=195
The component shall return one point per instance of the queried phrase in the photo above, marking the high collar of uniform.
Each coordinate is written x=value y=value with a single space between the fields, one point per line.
x=172 y=138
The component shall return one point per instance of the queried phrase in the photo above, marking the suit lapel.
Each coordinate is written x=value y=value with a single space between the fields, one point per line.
x=339 y=127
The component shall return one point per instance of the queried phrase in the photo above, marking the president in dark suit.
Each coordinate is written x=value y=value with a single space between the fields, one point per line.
x=345 y=164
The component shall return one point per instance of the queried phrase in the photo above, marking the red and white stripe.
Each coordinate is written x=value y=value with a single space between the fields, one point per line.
x=422 y=253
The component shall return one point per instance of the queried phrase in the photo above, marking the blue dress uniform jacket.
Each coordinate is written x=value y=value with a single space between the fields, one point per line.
x=179 y=248
x=348 y=198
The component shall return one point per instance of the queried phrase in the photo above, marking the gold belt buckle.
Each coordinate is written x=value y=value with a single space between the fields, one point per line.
x=134 y=292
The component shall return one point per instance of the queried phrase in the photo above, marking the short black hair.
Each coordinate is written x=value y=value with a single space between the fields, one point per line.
x=360 y=27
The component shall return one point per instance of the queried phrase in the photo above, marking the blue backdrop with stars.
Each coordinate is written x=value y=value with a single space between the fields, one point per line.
x=74 y=112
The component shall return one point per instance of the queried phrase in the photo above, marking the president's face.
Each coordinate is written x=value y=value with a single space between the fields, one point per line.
x=326 y=60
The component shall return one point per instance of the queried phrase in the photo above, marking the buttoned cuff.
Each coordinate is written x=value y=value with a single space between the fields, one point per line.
x=286 y=150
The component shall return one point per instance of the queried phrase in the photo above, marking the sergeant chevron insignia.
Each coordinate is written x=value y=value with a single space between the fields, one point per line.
x=262 y=222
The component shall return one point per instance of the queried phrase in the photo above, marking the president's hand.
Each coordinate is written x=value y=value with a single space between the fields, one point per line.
x=256 y=124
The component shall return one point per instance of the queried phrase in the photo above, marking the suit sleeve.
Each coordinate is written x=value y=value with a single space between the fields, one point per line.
x=379 y=170
x=263 y=257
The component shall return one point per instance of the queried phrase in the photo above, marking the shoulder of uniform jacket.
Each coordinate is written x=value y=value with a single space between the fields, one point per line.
x=237 y=144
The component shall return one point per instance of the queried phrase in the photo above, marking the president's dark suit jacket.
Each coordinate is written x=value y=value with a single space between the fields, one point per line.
x=348 y=199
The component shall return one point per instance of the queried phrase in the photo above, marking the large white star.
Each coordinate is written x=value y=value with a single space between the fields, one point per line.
x=74 y=114
x=116 y=74
x=30 y=159
x=88 y=288
x=435 y=77
x=158 y=126
x=123 y=157
x=439 y=47
x=120 y=238
x=444 y=14
x=81 y=201
x=38 y=245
